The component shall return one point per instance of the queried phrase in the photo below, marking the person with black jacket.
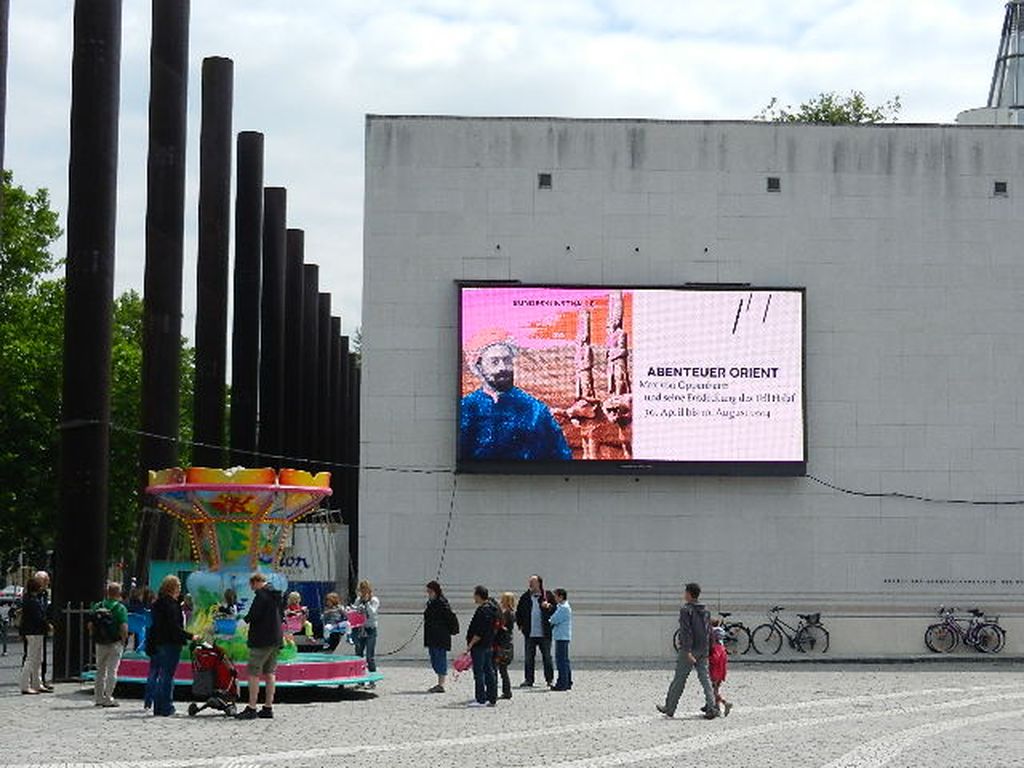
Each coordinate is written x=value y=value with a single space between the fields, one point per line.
x=166 y=637
x=479 y=643
x=265 y=617
x=33 y=628
x=533 y=617
x=694 y=647
x=439 y=624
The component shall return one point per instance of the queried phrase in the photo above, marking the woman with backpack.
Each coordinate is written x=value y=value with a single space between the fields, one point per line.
x=439 y=624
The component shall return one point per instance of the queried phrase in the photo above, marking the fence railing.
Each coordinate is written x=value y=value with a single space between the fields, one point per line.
x=73 y=642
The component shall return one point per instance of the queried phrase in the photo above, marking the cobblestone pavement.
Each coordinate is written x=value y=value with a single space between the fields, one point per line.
x=895 y=715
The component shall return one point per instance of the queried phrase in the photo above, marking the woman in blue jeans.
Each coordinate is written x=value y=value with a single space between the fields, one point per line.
x=365 y=637
x=438 y=624
x=166 y=637
x=479 y=643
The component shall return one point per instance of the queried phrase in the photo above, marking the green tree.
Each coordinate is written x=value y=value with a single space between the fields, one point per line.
x=832 y=108
x=29 y=227
x=31 y=344
x=31 y=333
x=31 y=355
x=126 y=421
x=125 y=417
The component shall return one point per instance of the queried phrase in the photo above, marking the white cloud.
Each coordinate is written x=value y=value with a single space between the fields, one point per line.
x=307 y=72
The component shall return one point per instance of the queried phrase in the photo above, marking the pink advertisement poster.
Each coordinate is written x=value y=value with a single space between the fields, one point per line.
x=560 y=374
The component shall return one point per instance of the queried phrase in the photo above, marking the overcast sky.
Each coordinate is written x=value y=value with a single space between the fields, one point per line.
x=307 y=71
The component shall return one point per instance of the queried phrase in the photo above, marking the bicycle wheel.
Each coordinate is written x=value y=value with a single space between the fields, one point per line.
x=986 y=639
x=766 y=639
x=812 y=638
x=1002 y=637
x=675 y=641
x=940 y=638
x=737 y=639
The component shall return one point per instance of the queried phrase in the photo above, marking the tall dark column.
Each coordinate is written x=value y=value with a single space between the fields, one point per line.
x=5 y=13
x=294 y=394
x=212 y=267
x=165 y=221
x=310 y=353
x=352 y=485
x=333 y=402
x=81 y=554
x=337 y=404
x=323 y=378
x=272 y=324
x=245 y=335
x=341 y=417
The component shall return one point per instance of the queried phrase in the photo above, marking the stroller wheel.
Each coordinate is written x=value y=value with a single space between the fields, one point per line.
x=193 y=708
x=230 y=710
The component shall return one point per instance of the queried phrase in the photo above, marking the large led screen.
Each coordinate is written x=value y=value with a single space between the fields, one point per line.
x=560 y=379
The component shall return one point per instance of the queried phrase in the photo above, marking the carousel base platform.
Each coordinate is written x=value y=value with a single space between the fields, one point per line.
x=307 y=670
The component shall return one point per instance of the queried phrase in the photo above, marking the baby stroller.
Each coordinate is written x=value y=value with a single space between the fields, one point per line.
x=214 y=680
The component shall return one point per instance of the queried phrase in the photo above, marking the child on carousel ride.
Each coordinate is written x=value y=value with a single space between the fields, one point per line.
x=228 y=607
x=296 y=616
x=334 y=619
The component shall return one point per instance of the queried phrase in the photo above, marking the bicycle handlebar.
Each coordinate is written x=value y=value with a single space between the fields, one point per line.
x=776 y=609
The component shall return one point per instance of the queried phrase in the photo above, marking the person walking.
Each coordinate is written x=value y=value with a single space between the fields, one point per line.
x=33 y=628
x=533 y=616
x=265 y=617
x=561 y=633
x=439 y=624
x=166 y=637
x=718 y=665
x=108 y=625
x=5 y=623
x=504 y=648
x=479 y=643
x=694 y=634
x=365 y=637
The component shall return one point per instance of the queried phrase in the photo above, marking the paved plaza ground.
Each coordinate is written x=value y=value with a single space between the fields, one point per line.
x=785 y=715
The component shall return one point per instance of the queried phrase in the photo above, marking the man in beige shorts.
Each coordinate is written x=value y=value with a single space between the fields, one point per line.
x=265 y=636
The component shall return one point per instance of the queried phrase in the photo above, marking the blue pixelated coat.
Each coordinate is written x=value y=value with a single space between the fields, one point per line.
x=516 y=427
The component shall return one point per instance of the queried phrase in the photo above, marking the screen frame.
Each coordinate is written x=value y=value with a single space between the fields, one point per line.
x=633 y=468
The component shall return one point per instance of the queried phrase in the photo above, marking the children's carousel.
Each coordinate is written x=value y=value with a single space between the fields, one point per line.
x=237 y=521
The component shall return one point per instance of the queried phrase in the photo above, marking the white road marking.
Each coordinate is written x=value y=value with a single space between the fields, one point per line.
x=881 y=752
x=350 y=749
x=597 y=725
x=718 y=738
x=869 y=698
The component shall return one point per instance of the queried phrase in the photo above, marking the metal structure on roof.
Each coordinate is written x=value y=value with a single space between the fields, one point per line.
x=1007 y=88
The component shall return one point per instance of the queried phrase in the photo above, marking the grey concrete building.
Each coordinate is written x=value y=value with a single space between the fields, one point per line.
x=907 y=239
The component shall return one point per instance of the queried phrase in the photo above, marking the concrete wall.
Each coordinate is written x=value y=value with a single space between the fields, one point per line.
x=915 y=357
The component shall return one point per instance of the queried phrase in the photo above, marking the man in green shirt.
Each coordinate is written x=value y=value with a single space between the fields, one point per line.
x=108 y=624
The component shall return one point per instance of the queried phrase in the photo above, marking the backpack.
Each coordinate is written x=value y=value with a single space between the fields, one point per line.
x=453 y=622
x=105 y=629
x=501 y=633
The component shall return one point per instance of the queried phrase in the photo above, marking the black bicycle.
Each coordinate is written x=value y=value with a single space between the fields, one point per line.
x=808 y=636
x=737 y=636
x=983 y=634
